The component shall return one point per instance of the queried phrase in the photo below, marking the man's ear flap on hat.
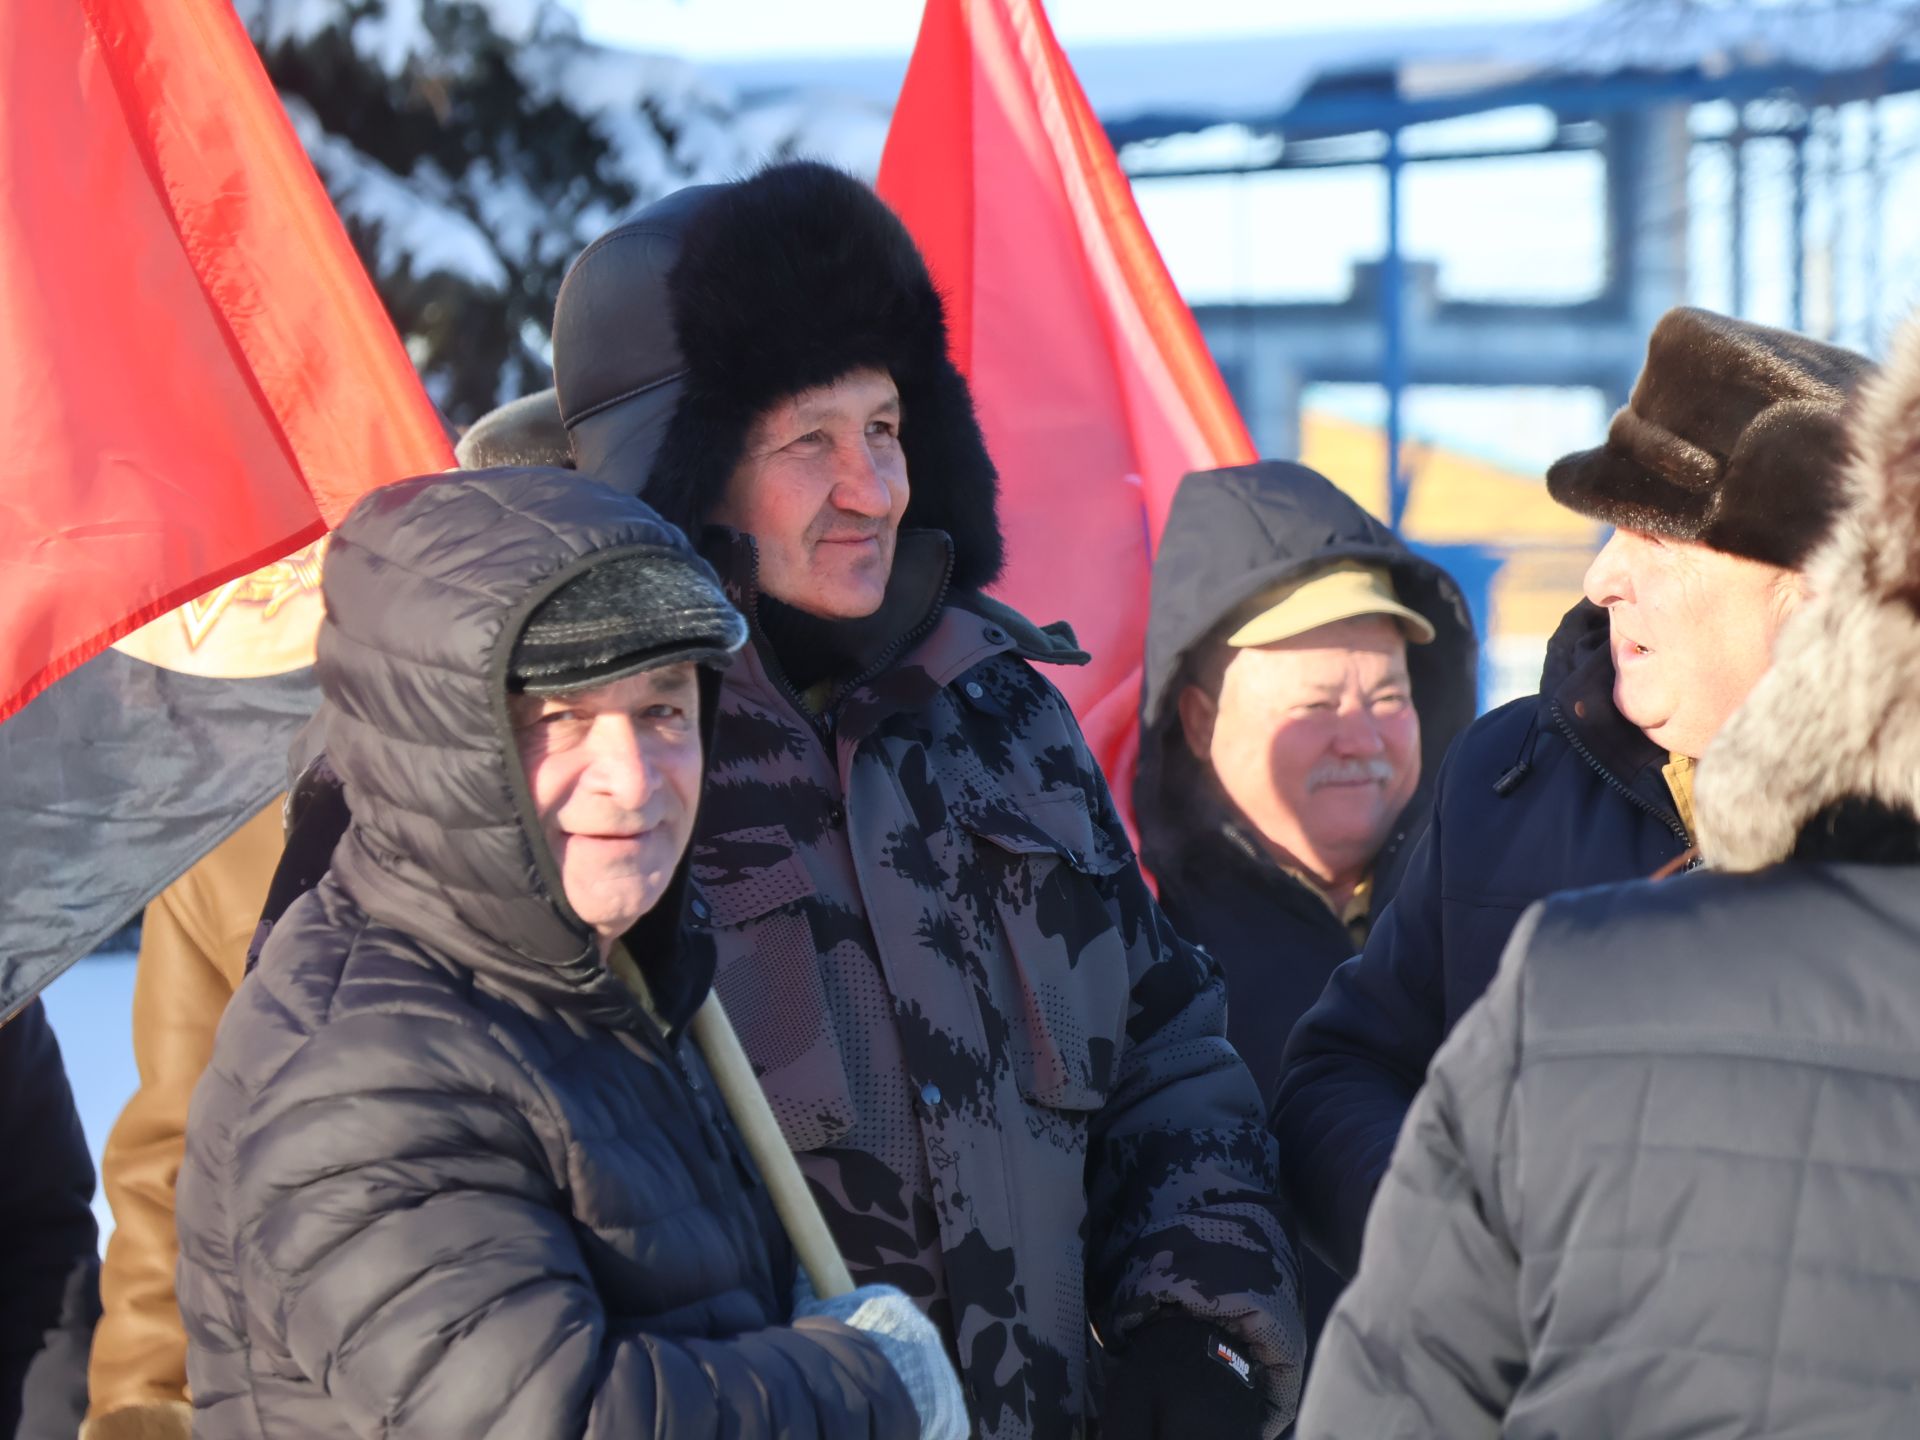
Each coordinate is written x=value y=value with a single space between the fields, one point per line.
x=1783 y=485
x=954 y=487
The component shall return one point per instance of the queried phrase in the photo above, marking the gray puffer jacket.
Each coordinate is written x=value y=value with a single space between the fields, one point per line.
x=443 y=1176
x=1664 y=1179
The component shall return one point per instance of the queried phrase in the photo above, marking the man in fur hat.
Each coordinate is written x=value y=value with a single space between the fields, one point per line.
x=1722 y=475
x=1662 y=1180
x=1004 y=1075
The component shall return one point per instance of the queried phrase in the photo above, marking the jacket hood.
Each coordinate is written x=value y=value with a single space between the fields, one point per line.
x=677 y=329
x=1582 y=631
x=1233 y=533
x=1834 y=778
x=427 y=585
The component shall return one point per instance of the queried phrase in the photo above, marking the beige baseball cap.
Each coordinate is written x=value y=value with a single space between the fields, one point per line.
x=1342 y=592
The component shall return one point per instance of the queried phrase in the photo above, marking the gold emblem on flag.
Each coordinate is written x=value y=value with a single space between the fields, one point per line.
x=262 y=623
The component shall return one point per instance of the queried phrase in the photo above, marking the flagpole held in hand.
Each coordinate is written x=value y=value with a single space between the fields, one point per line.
x=746 y=1103
x=753 y=1117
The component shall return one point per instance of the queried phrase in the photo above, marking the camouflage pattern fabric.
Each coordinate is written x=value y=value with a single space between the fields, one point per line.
x=1006 y=1078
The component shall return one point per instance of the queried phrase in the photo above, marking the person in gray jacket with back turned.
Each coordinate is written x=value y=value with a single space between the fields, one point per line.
x=454 y=1169
x=1664 y=1179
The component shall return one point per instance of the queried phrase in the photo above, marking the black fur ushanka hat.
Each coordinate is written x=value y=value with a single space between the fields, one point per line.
x=1734 y=437
x=678 y=328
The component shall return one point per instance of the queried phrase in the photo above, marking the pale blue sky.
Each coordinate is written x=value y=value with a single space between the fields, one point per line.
x=1527 y=230
x=744 y=29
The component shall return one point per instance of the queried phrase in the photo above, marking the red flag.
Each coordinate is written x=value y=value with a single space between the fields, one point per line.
x=1094 y=387
x=198 y=377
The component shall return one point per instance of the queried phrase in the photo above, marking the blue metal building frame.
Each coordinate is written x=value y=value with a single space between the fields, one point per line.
x=1349 y=105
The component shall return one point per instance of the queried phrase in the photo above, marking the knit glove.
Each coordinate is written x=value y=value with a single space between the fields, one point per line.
x=1181 y=1379
x=908 y=1341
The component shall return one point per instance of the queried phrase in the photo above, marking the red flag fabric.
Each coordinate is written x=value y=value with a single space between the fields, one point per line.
x=1094 y=387
x=199 y=377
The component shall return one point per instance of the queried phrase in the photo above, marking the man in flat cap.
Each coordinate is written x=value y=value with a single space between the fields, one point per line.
x=196 y=936
x=1722 y=476
x=454 y=1167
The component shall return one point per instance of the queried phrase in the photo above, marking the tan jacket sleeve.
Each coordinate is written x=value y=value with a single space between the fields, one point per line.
x=193 y=952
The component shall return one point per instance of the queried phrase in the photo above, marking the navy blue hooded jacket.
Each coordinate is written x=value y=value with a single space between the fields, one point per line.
x=49 y=1244
x=1232 y=535
x=444 y=1176
x=1553 y=792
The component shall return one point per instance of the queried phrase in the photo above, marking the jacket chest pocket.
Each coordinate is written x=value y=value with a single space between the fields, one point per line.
x=1064 y=983
x=767 y=971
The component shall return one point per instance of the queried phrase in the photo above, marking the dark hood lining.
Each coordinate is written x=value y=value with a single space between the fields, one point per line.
x=1444 y=676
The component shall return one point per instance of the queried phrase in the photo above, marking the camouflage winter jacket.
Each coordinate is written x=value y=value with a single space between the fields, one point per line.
x=1081 y=1141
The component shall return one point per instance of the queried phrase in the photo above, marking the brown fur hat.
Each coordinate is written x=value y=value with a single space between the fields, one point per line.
x=1734 y=438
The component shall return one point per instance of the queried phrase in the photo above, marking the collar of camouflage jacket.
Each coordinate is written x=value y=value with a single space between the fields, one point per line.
x=922 y=637
x=831 y=656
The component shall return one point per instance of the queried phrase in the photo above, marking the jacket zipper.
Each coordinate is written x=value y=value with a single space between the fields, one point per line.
x=899 y=647
x=777 y=672
x=1580 y=749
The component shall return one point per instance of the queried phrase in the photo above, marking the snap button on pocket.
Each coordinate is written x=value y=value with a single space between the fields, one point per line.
x=930 y=1095
x=974 y=690
x=995 y=635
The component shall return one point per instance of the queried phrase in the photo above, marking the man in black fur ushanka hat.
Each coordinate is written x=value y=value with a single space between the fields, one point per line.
x=1722 y=474
x=1005 y=1076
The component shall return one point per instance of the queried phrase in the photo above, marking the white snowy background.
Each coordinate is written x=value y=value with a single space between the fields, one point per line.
x=474 y=147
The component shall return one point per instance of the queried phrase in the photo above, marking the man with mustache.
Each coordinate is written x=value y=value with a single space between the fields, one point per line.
x=1305 y=672
x=1722 y=477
